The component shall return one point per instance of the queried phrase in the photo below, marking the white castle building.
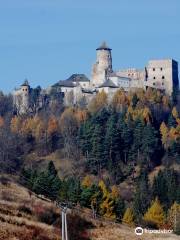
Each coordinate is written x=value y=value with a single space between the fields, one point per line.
x=158 y=74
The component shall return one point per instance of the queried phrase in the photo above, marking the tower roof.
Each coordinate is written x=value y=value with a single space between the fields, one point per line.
x=25 y=83
x=104 y=47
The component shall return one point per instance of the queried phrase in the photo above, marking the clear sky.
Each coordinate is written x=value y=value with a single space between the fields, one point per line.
x=48 y=40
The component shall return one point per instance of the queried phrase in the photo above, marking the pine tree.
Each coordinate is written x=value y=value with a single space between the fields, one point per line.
x=149 y=143
x=112 y=142
x=155 y=214
x=128 y=217
x=165 y=187
x=137 y=139
x=97 y=161
x=142 y=196
x=134 y=100
x=171 y=121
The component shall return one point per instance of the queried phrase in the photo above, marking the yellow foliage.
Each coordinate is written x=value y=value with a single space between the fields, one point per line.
x=107 y=208
x=16 y=124
x=81 y=115
x=107 y=205
x=87 y=182
x=175 y=113
x=114 y=192
x=128 y=217
x=103 y=188
x=141 y=113
x=174 y=216
x=173 y=133
x=155 y=214
x=164 y=133
x=147 y=116
x=52 y=125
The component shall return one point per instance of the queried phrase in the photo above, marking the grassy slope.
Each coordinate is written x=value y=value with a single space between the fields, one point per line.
x=21 y=219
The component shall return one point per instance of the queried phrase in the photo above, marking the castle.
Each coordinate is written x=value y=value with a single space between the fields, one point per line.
x=158 y=74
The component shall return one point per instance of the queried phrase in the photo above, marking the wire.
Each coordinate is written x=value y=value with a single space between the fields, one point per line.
x=60 y=204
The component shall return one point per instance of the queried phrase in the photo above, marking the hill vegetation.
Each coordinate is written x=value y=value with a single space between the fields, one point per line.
x=115 y=147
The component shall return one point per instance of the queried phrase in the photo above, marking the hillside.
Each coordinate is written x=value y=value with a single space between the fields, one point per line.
x=24 y=216
x=118 y=159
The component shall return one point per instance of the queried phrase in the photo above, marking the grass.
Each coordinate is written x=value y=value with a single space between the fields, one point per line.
x=23 y=216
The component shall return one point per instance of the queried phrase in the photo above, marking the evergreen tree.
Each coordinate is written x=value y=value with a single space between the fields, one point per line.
x=112 y=142
x=96 y=160
x=149 y=143
x=137 y=140
x=128 y=217
x=155 y=214
x=142 y=196
x=134 y=100
x=171 y=121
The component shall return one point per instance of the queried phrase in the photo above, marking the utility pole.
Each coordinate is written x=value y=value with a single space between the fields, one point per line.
x=64 y=231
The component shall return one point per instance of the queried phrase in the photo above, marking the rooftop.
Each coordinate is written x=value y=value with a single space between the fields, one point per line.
x=104 y=47
x=108 y=83
x=78 y=78
x=26 y=83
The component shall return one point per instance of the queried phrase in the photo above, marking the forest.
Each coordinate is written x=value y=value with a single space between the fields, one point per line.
x=124 y=153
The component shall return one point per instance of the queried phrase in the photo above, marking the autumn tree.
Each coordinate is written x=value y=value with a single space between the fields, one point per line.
x=173 y=218
x=155 y=214
x=128 y=217
x=119 y=100
x=107 y=204
x=86 y=182
x=99 y=102
x=69 y=131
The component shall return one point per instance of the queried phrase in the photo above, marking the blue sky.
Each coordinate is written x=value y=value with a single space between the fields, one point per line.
x=48 y=40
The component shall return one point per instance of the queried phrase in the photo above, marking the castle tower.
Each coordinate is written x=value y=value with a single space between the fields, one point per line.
x=25 y=89
x=163 y=74
x=21 y=98
x=103 y=65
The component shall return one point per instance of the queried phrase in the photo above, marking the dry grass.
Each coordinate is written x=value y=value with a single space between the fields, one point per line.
x=25 y=217
x=19 y=218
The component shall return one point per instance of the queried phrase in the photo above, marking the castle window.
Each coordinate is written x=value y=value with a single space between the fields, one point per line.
x=154 y=83
x=154 y=69
x=161 y=68
x=154 y=77
x=163 y=77
x=162 y=83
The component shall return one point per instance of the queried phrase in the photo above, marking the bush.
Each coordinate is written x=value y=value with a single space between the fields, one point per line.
x=25 y=209
x=48 y=216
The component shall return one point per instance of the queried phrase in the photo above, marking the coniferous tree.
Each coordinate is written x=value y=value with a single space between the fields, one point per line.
x=112 y=142
x=155 y=214
x=142 y=196
x=149 y=143
x=128 y=217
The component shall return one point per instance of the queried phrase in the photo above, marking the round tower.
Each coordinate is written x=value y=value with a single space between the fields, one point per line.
x=103 y=65
x=25 y=91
